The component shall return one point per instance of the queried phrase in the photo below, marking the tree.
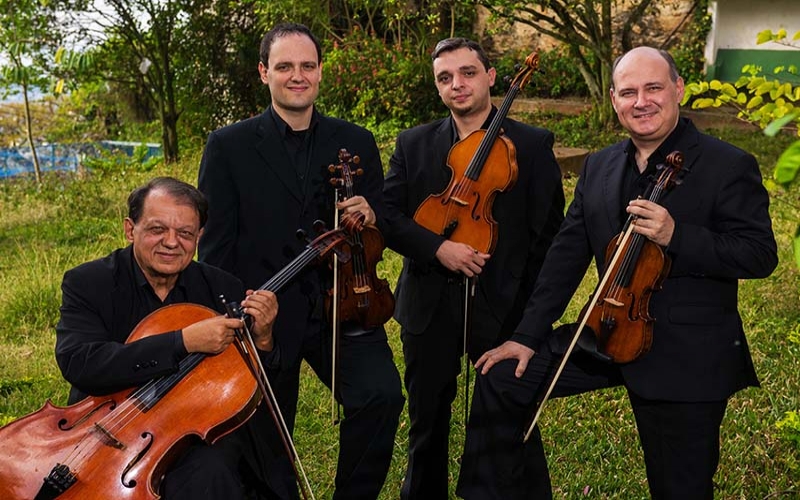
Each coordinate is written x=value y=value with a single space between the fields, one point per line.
x=139 y=39
x=594 y=31
x=28 y=44
x=769 y=102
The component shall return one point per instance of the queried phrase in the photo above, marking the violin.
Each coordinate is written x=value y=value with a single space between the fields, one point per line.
x=363 y=297
x=618 y=311
x=482 y=164
x=119 y=446
x=635 y=268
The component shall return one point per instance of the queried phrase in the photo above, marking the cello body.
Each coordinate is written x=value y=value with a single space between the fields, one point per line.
x=119 y=446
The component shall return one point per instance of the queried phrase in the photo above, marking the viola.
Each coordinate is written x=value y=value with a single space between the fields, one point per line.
x=363 y=297
x=119 y=446
x=617 y=314
x=482 y=164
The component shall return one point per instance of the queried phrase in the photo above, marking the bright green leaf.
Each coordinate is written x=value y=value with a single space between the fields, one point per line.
x=788 y=164
x=755 y=101
x=705 y=102
x=774 y=127
x=715 y=84
x=728 y=90
x=764 y=37
x=796 y=36
x=741 y=98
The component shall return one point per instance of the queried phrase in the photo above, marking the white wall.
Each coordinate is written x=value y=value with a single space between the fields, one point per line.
x=736 y=23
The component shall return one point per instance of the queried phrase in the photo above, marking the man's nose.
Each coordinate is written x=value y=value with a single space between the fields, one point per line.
x=170 y=239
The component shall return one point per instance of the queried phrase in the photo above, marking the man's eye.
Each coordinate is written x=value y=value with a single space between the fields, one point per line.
x=188 y=235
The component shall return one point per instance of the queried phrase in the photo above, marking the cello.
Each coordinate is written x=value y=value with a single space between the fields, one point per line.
x=482 y=164
x=120 y=445
x=617 y=314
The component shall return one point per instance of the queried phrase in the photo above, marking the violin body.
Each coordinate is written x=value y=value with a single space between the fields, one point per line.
x=116 y=446
x=619 y=317
x=364 y=297
x=463 y=211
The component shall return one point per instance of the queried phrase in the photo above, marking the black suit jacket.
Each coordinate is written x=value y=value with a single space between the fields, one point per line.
x=257 y=203
x=722 y=234
x=528 y=216
x=97 y=317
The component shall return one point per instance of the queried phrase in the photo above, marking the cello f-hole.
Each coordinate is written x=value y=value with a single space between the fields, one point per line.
x=131 y=483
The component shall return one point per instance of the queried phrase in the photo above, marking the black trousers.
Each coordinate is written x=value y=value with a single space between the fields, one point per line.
x=367 y=387
x=680 y=440
x=203 y=471
x=432 y=361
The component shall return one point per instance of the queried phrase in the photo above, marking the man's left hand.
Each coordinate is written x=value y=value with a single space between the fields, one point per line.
x=358 y=204
x=262 y=306
x=654 y=222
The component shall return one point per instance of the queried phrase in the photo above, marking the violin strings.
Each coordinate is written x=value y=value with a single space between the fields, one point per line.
x=636 y=241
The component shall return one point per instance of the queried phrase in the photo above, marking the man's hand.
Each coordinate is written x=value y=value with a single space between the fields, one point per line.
x=262 y=306
x=654 y=222
x=458 y=257
x=509 y=350
x=210 y=336
x=358 y=204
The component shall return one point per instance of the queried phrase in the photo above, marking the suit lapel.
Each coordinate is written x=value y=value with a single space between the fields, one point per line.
x=689 y=145
x=271 y=148
x=612 y=188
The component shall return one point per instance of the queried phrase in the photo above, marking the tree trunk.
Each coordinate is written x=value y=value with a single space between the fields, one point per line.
x=29 y=131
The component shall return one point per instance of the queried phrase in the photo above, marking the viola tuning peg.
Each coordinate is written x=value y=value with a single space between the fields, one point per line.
x=359 y=171
x=356 y=159
x=332 y=168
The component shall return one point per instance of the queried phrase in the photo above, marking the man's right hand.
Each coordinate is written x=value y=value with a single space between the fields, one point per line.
x=461 y=258
x=508 y=350
x=211 y=336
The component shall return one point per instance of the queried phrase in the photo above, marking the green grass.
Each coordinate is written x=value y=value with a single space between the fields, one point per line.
x=590 y=439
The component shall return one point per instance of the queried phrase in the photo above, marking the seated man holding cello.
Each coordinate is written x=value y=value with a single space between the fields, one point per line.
x=104 y=301
x=713 y=225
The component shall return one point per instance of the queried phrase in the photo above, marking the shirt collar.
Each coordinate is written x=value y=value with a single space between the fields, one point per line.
x=666 y=147
x=283 y=127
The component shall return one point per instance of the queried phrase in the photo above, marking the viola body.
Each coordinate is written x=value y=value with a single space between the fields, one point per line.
x=463 y=211
x=620 y=316
x=364 y=297
x=117 y=446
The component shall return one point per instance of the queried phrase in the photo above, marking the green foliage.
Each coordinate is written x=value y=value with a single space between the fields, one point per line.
x=558 y=76
x=771 y=102
x=691 y=44
x=790 y=426
x=111 y=161
x=372 y=84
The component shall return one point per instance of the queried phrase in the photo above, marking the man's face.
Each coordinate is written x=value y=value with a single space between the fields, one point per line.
x=645 y=97
x=293 y=72
x=165 y=238
x=463 y=82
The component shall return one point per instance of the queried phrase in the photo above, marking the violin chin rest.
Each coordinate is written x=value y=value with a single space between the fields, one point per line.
x=587 y=342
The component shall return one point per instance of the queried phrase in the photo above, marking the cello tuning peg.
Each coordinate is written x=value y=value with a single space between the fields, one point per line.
x=507 y=79
x=319 y=226
x=300 y=234
x=517 y=67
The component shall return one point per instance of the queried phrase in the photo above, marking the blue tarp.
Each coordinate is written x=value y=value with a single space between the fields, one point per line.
x=63 y=157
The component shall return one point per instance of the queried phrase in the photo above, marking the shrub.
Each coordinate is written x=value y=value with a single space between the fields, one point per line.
x=366 y=82
x=558 y=76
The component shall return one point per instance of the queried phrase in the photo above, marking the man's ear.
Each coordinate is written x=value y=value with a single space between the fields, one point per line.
x=263 y=72
x=127 y=225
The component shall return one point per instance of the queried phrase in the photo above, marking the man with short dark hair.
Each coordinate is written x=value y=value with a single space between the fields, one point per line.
x=431 y=287
x=103 y=301
x=265 y=178
x=714 y=227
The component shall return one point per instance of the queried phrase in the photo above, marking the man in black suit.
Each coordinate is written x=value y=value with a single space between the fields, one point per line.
x=265 y=178
x=103 y=301
x=430 y=291
x=715 y=227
